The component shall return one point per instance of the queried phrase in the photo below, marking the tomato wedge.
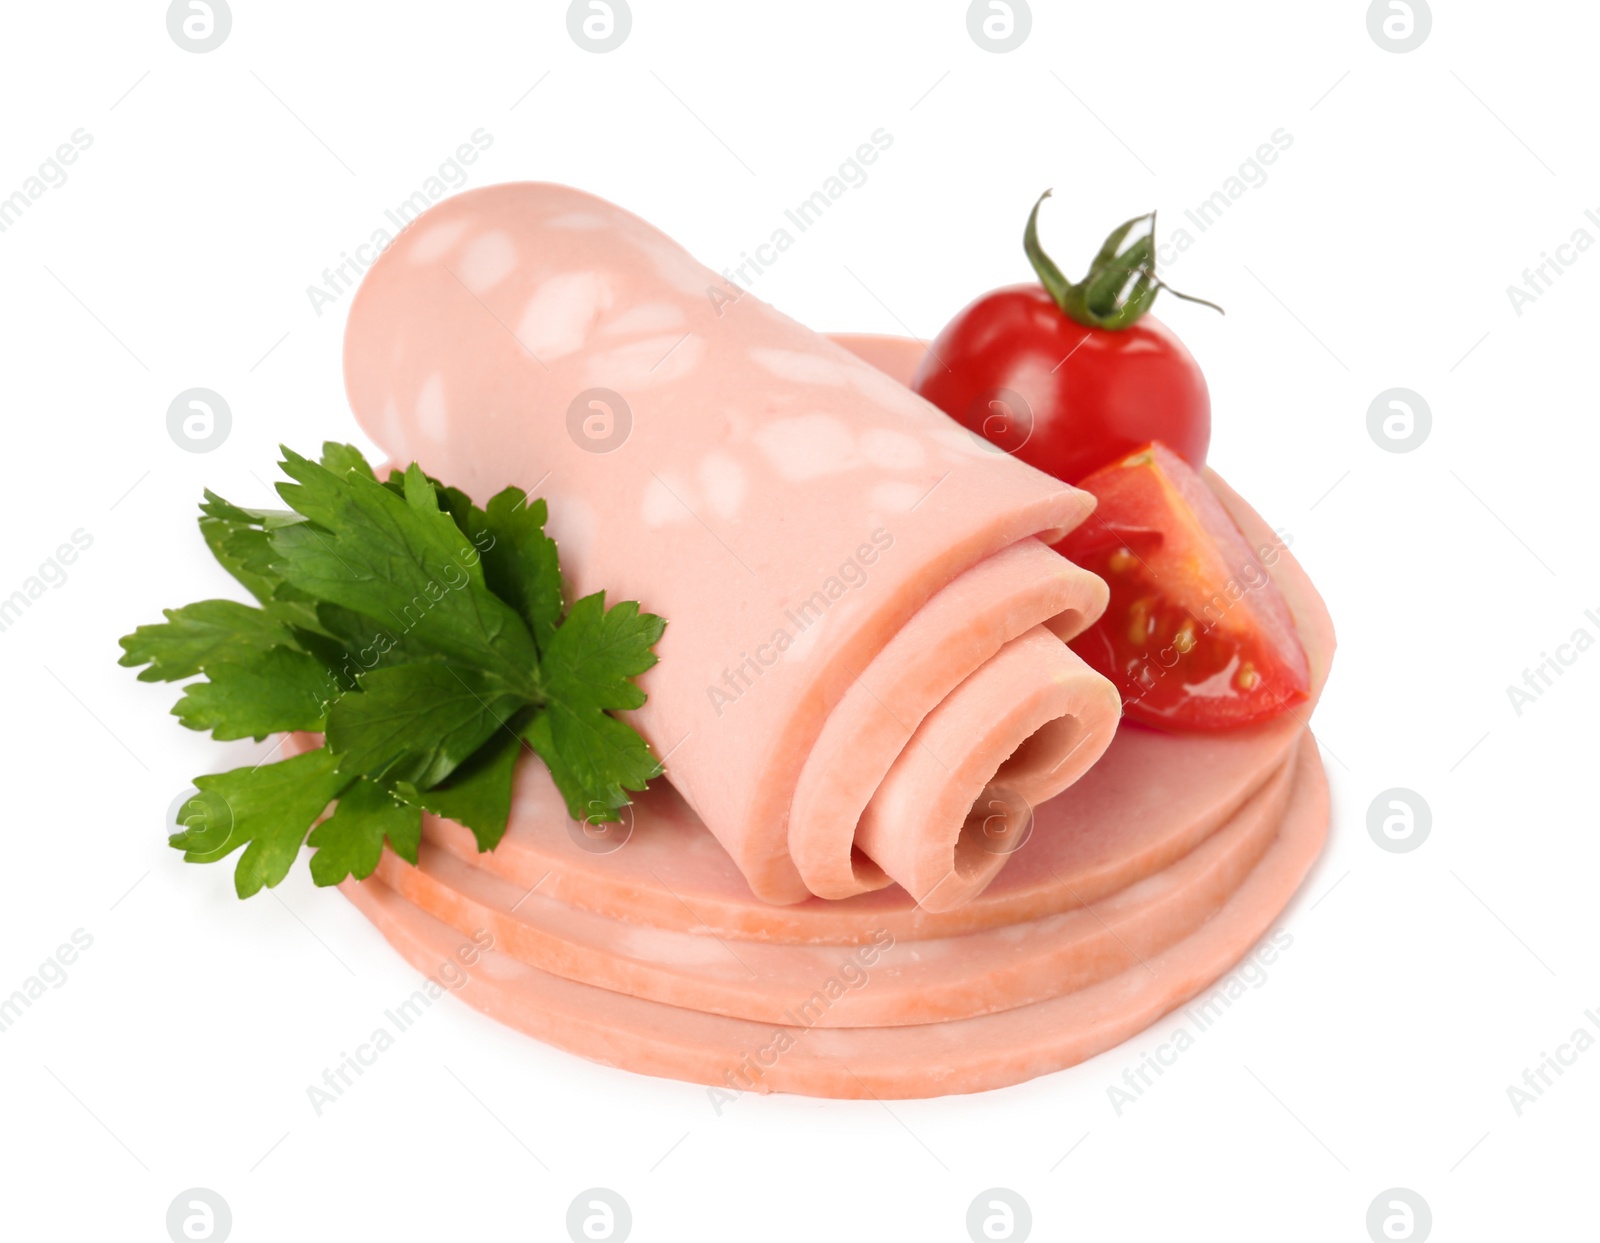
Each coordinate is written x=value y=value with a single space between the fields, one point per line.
x=1197 y=635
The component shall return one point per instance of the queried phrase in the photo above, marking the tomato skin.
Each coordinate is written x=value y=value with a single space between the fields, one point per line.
x=1196 y=635
x=1114 y=393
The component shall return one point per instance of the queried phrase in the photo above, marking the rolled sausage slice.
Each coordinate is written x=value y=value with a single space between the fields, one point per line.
x=791 y=510
x=962 y=627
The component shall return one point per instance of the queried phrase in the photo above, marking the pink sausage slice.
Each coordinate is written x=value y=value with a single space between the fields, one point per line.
x=1151 y=799
x=930 y=1059
x=787 y=506
x=932 y=981
x=962 y=627
x=1033 y=702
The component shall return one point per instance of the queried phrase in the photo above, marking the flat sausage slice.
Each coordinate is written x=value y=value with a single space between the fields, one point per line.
x=931 y=1059
x=929 y=981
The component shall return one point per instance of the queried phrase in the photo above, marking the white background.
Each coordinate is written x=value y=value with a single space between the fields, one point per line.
x=1377 y=254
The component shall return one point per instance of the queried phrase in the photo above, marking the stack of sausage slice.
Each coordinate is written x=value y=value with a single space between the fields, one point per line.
x=644 y=948
x=865 y=651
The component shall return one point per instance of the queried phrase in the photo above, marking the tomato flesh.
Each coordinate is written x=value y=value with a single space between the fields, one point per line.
x=1197 y=635
x=1063 y=397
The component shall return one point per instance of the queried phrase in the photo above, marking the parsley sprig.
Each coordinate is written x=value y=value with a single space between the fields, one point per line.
x=425 y=638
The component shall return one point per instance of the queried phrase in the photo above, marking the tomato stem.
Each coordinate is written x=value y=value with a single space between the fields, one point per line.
x=1121 y=284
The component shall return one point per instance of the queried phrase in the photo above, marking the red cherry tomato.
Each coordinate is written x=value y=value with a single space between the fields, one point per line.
x=1197 y=635
x=1064 y=397
x=1071 y=376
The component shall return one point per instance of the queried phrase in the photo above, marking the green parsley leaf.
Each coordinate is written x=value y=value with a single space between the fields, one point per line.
x=239 y=540
x=417 y=723
x=520 y=563
x=270 y=808
x=426 y=638
x=596 y=650
x=268 y=692
x=402 y=562
x=478 y=793
x=453 y=501
x=340 y=458
x=224 y=510
x=198 y=635
x=592 y=756
x=349 y=842
x=367 y=644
